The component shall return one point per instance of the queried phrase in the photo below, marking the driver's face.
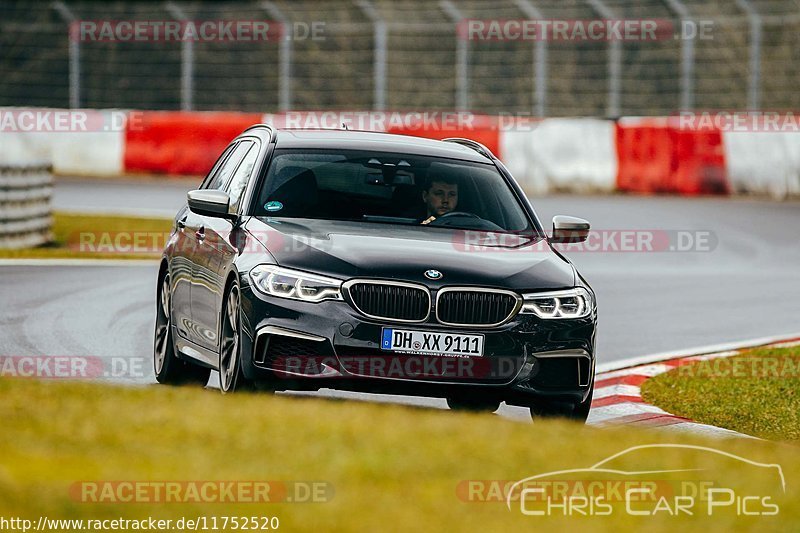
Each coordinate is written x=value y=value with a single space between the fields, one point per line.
x=440 y=198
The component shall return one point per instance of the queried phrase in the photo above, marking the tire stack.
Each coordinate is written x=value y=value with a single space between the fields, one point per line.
x=25 y=211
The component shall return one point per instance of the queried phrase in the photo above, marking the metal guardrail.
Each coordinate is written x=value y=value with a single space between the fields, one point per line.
x=25 y=210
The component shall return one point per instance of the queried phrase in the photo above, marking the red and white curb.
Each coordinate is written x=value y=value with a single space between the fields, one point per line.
x=618 y=398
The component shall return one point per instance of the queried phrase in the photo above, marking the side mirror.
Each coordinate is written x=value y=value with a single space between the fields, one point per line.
x=569 y=229
x=211 y=203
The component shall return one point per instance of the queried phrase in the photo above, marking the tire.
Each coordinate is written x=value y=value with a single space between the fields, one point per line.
x=577 y=412
x=170 y=370
x=231 y=377
x=473 y=404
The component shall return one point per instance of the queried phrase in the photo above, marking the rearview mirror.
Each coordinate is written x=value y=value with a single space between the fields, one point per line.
x=569 y=229
x=211 y=203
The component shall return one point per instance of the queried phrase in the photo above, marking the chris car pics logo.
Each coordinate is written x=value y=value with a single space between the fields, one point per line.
x=640 y=481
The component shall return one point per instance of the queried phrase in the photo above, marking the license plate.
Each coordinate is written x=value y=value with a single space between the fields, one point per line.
x=431 y=343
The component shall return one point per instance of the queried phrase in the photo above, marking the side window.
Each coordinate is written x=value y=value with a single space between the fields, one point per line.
x=220 y=179
x=215 y=169
x=240 y=178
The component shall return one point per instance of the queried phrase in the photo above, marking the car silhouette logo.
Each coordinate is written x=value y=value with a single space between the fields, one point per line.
x=433 y=274
x=604 y=467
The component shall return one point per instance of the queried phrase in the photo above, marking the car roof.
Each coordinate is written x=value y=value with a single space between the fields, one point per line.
x=375 y=141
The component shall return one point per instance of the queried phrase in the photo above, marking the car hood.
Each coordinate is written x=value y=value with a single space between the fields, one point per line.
x=347 y=250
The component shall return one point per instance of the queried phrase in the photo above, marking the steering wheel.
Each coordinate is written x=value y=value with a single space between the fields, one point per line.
x=453 y=214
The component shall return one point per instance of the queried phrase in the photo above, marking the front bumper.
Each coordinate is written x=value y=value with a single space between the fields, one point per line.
x=307 y=346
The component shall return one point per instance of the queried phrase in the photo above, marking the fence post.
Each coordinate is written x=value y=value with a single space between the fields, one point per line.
x=754 y=87
x=187 y=61
x=462 y=56
x=539 y=61
x=74 y=54
x=614 y=61
x=379 y=64
x=687 y=55
x=284 y=57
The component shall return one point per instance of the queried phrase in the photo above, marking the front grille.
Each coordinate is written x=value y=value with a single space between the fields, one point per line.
x=475 y=307
x=390 y=301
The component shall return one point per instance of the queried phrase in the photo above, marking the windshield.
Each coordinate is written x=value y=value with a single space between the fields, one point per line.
x=389 y=188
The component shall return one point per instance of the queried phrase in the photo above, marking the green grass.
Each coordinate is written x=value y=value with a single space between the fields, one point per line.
x=84 y=236
x=756 y=392
x=392 y=468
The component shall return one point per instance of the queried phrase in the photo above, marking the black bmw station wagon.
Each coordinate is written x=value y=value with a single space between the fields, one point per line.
x=378 y=263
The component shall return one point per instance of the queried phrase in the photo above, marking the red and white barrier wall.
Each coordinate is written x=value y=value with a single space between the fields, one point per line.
x=763 y=162
x=179 y=142
x=562 y=155
x=637 y=155
x=87 y=144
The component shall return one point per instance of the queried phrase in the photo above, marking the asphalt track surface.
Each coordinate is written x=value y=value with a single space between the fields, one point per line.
x=742 y=281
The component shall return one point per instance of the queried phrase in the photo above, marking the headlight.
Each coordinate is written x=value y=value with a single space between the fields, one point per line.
x=571 y=303
x=286 y=283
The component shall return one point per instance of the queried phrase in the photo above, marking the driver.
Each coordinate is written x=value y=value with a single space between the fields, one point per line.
x=440 y=197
